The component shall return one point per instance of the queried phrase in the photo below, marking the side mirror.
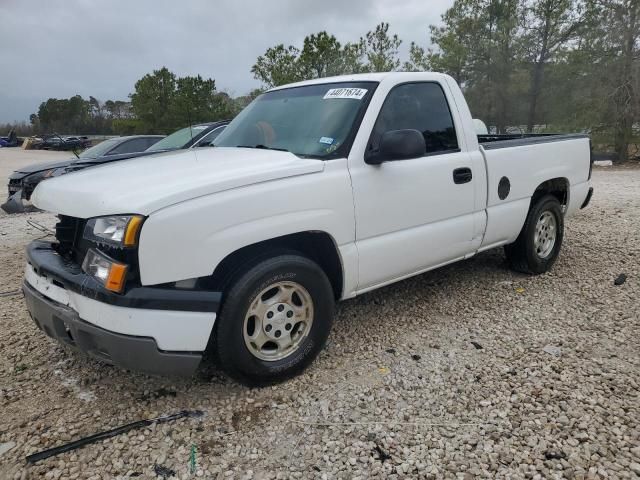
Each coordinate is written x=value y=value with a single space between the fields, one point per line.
x=398 y=145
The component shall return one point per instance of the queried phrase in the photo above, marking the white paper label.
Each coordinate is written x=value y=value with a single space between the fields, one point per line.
x=354 y=93
x=326 y=140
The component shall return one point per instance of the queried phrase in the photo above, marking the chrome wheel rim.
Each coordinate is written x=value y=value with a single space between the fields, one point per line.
x=278 y=320
x=544 y=237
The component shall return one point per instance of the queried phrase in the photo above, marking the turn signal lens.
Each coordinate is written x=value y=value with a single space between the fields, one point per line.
x=131 y=234
x=117 y=277
x=107 y=271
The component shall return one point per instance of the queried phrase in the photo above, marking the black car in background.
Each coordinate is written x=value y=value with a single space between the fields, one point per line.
x=199 y=135
x=22 y=182
x=56 y=142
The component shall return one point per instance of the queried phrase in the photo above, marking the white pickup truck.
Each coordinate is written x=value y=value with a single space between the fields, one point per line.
x=318 y=191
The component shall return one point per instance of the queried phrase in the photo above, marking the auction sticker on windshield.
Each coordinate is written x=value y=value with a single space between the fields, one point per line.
x=355 y=93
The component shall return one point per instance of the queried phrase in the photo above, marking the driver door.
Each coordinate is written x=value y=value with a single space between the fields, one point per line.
x=414 y=214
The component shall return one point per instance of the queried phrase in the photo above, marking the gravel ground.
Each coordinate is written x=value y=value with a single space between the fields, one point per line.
x=469 y=371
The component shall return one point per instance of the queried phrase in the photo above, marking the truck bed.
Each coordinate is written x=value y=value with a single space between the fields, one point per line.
x=523 y=162
x=493 y=142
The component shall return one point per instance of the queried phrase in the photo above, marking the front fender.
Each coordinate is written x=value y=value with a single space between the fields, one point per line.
x=188 y=240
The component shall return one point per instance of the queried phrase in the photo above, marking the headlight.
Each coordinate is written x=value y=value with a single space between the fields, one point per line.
x=120 y=230
x=107 y=271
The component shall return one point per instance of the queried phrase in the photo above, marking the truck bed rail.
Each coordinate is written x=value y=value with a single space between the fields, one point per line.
x=493 y=142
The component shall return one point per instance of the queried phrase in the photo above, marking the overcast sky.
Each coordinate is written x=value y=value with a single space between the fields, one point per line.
x=62 y=48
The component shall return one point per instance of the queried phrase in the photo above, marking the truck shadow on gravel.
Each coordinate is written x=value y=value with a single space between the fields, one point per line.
x=368 y=312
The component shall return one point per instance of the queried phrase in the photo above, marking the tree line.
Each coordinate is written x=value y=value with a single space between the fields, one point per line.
x=524 y=65
x=161 y=103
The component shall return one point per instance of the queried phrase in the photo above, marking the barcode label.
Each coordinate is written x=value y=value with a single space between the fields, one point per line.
x=355 y=93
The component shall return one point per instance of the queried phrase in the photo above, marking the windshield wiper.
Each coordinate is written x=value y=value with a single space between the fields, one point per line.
x=262 y=147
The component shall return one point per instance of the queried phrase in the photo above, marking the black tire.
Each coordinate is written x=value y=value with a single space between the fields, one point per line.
x=234 y=356
x=522 y=255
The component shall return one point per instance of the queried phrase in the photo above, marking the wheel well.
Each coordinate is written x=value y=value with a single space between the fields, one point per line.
x=558 y=187
x=316 y=245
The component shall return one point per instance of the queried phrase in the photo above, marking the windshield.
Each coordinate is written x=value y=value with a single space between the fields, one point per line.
x=313 y=120
x=100 y=149
x=178 y=139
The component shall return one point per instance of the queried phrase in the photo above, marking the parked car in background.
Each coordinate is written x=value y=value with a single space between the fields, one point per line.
x=22 y=182
x=200 y=135
x=56 y=142
x=10 y=140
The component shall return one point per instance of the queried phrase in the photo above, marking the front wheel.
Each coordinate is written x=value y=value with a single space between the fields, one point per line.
x=275 y=319
x=538 y=245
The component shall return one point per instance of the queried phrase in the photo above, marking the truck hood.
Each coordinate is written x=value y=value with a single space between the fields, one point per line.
x=147 y=184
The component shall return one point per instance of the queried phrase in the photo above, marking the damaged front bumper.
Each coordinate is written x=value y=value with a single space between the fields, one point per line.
x=155 y=330
x=14 y=203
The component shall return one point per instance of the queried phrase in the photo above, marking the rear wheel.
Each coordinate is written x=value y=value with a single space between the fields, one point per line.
x=538 y=245
x=275 y=319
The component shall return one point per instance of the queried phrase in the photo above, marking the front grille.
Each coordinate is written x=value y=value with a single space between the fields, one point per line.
x=73 y=247
x=69 y=236
x=14 y=185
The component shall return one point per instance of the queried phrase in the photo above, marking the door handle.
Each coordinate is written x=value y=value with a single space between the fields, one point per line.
x=462 y=175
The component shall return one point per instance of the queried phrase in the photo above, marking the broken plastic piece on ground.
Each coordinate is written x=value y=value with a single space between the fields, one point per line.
x=552 y=350
x=5 y=447
x=382 y=455
x=603 y=163
x=14 y=203
x=477 y=345
x=164 y=472
x=519 y=290
x=620 y=280
x=110 y=433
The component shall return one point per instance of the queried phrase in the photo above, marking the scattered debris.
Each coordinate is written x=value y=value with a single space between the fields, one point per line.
x=552 y=350
x=519 y=290
x=391 y=350
x=477 y=345
x=416 y=357
x=73 y=384
x=5 y=447
x=164 y=472
x=192 y=460
x=42 y=228
x=20 y=368
x=620 y=280
x=36 y=457
x=382 y=455
x=553 y=455
x=383 y=370
x=160 y=393
x=10 y=293
x=603 y=163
